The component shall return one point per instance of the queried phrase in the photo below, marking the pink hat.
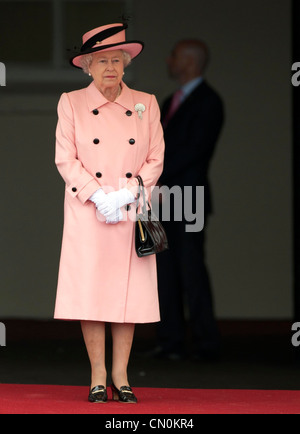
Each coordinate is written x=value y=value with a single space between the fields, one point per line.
x=107 y=38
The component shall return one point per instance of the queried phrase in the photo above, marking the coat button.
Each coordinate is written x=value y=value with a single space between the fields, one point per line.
x=96 y=112
x=98 y=174
x=96 y=141
x=128 y=175
x=129 y=113
x=132 y=141
x=74 y=189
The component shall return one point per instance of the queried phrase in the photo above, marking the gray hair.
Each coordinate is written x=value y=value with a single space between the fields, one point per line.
x=86 y=60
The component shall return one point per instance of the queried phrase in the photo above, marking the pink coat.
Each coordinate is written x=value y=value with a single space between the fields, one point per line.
x=102 y=143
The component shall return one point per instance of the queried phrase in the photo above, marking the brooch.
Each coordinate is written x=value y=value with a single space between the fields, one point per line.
x=140 y=108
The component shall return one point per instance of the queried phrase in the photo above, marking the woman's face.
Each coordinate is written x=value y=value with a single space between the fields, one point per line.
x=107 y=69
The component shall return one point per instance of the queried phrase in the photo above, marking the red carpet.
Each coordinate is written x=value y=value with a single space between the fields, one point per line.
x=37 y=399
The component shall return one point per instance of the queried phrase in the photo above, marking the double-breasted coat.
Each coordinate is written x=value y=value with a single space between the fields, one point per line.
x=105 y=144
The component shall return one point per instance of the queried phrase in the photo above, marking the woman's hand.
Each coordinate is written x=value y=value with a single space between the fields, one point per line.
x=117 y=199
x=100 y=200
x=115 y=217
x=109 y=204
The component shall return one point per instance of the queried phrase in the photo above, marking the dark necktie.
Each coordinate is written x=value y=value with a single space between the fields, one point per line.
x=175 y=103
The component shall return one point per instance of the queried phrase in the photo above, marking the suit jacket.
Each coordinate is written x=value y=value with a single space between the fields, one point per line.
x=190 y=140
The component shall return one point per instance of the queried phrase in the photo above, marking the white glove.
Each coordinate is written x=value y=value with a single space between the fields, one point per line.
x=117 y=199
x=109 y=204
x=115 y=217
x=100 y=200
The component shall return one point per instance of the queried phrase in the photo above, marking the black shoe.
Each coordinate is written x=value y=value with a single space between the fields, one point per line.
x=125 y=394
x=98 y=395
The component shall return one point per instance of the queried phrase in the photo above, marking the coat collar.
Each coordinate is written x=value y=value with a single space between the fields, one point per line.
x=195 y=92
x=95 y=99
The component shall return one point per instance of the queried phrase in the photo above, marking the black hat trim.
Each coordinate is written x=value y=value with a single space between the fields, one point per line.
x=104 y=47
x=101 y=36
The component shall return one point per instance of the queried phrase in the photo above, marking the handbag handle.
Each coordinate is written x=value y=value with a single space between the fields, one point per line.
x=141 y=189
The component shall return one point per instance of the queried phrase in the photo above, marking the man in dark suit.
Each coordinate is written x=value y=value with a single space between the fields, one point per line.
x=192 y=119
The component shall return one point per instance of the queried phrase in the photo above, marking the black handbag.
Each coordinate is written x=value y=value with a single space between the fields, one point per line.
x=150 y=236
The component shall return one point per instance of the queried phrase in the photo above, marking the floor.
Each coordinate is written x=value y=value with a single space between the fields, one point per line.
x=255 y=355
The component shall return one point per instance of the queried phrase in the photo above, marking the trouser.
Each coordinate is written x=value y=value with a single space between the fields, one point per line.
x=183 y=277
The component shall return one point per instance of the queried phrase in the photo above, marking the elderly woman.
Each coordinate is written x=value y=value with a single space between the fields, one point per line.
x=106 y=135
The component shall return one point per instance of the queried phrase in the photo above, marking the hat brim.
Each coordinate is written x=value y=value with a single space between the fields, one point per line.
x=134 y=48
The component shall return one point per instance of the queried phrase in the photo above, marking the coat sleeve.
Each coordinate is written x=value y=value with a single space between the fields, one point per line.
x=79 y=182
x=153 y=165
